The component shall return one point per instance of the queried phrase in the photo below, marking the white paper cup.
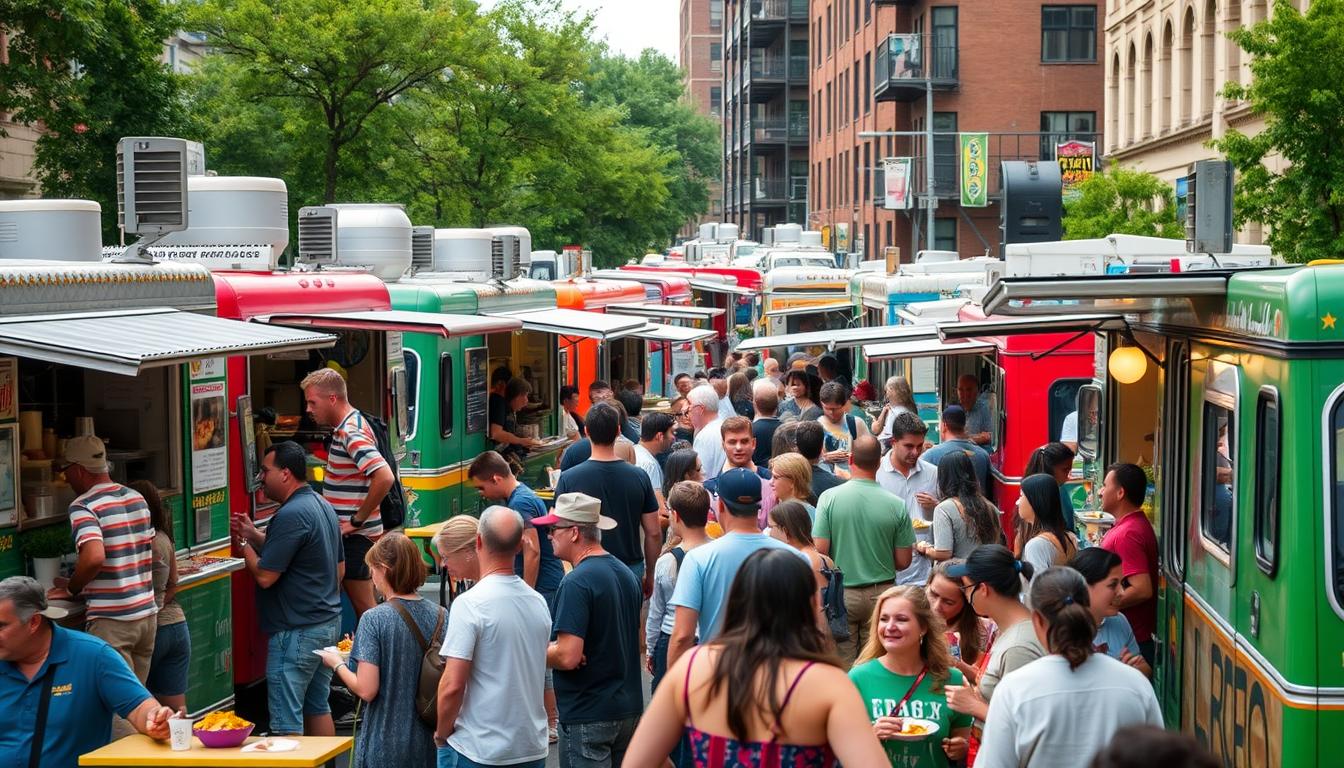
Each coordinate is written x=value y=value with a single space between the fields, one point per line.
x=179 y=733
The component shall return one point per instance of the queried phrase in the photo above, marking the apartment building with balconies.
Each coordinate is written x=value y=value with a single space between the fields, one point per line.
x=765 y=113
x=903 y=78
x=701 y=59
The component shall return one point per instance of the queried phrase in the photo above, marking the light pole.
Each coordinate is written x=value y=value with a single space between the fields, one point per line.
x=930 y=197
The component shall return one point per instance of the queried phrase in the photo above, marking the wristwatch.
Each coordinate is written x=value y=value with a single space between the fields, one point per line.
x=357 y=523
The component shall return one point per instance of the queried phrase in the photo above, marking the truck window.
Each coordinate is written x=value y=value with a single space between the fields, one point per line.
x=412 y=390
x=1062 y=399
x=542 y=271
x=1335 y=523
x=1218 y=475
x=1268 y=438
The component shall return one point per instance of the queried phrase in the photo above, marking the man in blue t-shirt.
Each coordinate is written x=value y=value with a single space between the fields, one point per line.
x=536 y=564
x=707 y=572
x=594 y=648
x=952 y=434
x=84 y=681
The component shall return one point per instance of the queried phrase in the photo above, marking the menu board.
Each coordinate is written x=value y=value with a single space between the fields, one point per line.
x=477 y=389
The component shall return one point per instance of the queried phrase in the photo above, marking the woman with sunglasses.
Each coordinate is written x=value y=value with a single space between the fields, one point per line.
x=992 y=581
x=681 y=414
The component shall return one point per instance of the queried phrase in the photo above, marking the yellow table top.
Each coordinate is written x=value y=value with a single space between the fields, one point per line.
x=546 y=494
x=422 y=531
x=138 y=750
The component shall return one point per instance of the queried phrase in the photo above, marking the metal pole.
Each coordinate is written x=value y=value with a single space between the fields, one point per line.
x=929 y=197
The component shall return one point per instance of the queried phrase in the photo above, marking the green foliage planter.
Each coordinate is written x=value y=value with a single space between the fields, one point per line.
x=47 y=541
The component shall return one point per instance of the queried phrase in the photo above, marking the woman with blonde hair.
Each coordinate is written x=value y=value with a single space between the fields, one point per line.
x=900 y=399
x=791 y=479
x=902 y=674
x=384 y=665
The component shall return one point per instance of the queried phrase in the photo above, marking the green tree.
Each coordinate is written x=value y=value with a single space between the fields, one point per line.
x=89 y=73
x=1122 y=201
x=339 y=62
x=1296 y=68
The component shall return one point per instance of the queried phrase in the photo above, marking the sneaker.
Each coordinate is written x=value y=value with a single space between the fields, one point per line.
x=552 y=733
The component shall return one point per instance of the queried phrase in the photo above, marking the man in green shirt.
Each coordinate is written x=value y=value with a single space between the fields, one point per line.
x=866 y=530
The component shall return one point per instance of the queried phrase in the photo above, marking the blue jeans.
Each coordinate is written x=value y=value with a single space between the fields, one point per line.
x=596 y=745
x=297 y=682
x=451 y=758
x=168 y=665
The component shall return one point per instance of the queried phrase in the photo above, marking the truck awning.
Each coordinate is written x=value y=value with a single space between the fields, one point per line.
x=711 y=286
x=839 y=339
x=1017 y=326
x=665 y=311
x=829 y=306
x=398 y=320
x=130 y=341
x=1099 y=293
x=576 y=323
x=925 y=348
x=677 y=334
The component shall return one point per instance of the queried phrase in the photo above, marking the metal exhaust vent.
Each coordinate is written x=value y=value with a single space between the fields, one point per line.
x=499 y=258
x=152 y=185
x=317 y=235
x=422 y=248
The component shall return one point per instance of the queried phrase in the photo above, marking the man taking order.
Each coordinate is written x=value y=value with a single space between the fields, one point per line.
x=595 y=639
x=978 y=419
x=298 y=564
x=82 y=678
x=866 y=530
x=115 y=540
x=357 y=478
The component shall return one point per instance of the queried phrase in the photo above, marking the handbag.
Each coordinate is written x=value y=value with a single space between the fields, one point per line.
x=833 y=600
x=431 y=667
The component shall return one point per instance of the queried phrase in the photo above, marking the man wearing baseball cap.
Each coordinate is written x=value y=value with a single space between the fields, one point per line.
x=115 y=541
x=707 y=572
x=594 y=648
x=83 y=681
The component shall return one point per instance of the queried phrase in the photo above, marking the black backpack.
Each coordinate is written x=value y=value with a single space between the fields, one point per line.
x=393 y=507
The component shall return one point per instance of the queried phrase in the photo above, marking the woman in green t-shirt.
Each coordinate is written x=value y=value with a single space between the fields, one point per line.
x=901 y=674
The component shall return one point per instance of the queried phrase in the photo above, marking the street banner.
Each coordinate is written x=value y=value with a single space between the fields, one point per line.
x=974 y=169
x=897 y=182
x=1077 y=163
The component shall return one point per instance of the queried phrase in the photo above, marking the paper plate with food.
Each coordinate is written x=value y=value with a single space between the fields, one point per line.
x=913 y=729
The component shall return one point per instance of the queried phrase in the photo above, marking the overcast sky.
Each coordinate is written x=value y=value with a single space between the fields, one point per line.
x=630 y=26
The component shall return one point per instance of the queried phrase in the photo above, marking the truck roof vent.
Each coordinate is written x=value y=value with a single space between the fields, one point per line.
x=151 y=190
x=317 y=234
x=422 y=248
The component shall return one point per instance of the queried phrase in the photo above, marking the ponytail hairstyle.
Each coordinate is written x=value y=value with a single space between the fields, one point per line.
x=1060 y=597
x=994 y=566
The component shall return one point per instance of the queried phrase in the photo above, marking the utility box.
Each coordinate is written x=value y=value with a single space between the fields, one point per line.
x=1208 y=207
x=1032 y=209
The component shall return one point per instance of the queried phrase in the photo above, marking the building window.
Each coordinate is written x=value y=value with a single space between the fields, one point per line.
x=867 y=11
x=716 y=15
x=830 y=29
x=715 y=100
x=1069 y=33
x=856 y=15
x=945 y=177
x=945 y=234
x=1063 y=126
x=715 y=57
x=867 y=172
x=867 y=83
x=855 y=107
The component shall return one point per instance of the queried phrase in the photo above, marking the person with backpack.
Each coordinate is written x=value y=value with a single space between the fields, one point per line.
x=791 y=523
x=841 y=427
x=387 y=660
x=356 y=479
x=495 y=657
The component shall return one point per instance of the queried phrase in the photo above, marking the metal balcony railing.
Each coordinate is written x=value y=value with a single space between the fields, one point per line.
x=767 y=68
x=772 y=129
x=914 y=57
x=798 y=67
x=798 y=127
x=770 y=10
x=762 y=188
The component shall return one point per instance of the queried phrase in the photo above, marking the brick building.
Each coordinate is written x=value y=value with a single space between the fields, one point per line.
x=701 y=56
x=765 y=117
x=1029 y=74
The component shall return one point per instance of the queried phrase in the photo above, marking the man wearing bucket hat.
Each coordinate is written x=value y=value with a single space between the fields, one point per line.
x=71 y=682
x=707 y=572
x=595 y=639
x=115 y=540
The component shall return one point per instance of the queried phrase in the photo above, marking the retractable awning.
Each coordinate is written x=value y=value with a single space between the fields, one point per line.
x=808 y=309
x=665 y=311
x=676 y=334
x=939 y=310
x=1099 y=293
x=576 y=323
x=710 y=286
x=1016 y=326
x=839 y=339
x=398 y=320
x=924 y=348
x=130 y=341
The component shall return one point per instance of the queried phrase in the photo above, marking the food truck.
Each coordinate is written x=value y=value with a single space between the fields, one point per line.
x=799 y=299
x=733 y=289
x=667 y=298
x=612 y=358
x=135 y=354
x=1195 y=380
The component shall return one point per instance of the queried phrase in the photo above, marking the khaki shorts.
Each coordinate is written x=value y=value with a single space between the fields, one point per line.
x=133 y=639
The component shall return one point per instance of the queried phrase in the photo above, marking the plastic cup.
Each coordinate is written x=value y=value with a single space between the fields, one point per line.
x=179 y=733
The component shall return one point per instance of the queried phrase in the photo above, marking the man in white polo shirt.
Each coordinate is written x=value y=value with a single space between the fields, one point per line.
x=915 y=482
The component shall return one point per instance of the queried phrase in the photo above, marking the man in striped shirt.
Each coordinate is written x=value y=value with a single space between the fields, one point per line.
x=114 y=537
x=357 y=478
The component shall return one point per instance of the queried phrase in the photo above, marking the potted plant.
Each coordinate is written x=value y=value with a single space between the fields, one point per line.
x=45 y=546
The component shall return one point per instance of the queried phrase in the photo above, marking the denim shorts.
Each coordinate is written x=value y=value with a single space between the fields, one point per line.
x=595 y=745
x=451 y=758
x=297 y=682
x=172 y=656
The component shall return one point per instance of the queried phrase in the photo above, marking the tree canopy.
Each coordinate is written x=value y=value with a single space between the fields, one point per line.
x=1125 y=202
x=1291 y=174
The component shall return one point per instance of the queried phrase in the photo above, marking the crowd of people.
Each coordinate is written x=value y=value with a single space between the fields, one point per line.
x=803 y=584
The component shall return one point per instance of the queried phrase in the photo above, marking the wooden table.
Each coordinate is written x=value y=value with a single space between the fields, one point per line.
x=140 y=750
